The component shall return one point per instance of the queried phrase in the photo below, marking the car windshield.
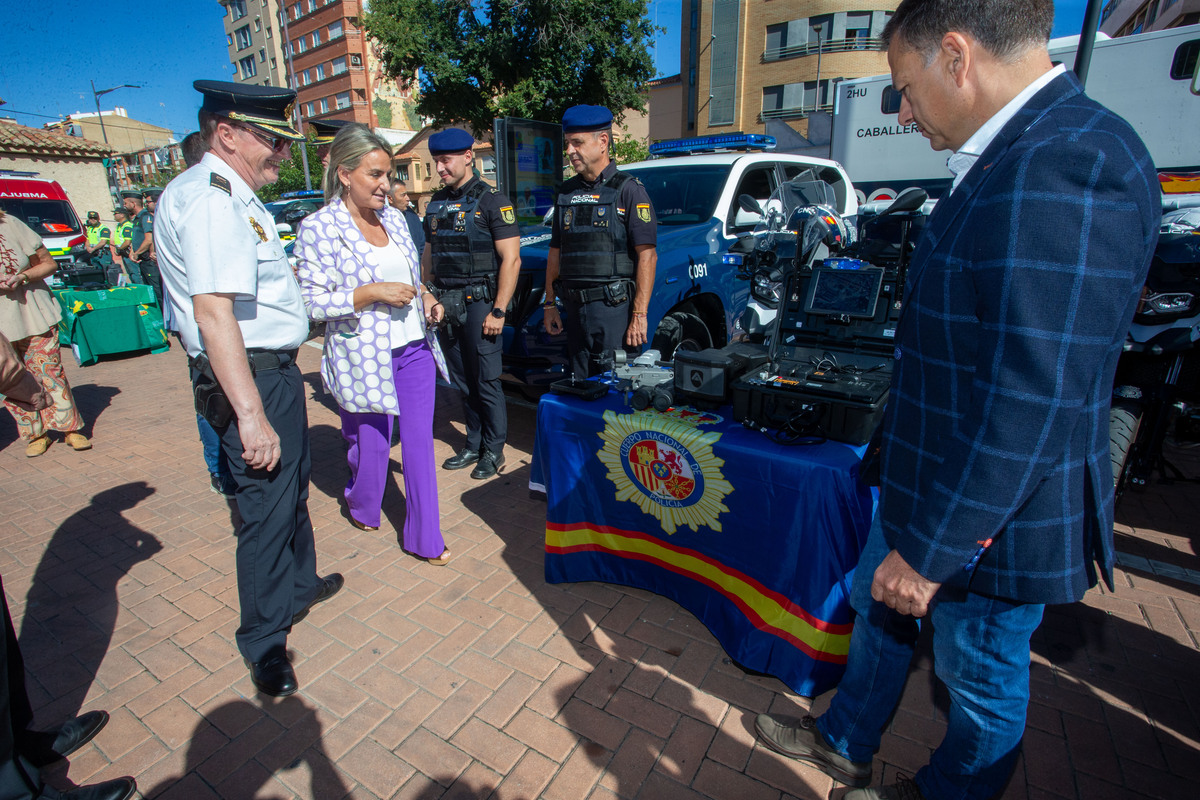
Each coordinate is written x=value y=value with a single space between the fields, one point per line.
x=44 y=217
x=683 y=195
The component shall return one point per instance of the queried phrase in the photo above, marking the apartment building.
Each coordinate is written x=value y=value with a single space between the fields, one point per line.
x=744 y=62
x=252 y=34
x=1127 y=17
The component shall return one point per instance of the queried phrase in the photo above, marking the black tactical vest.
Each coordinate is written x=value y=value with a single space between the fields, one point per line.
x=593 y=244
x=460 y=248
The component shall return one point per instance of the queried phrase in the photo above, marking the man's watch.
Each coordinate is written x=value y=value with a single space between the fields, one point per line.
x=499 y=313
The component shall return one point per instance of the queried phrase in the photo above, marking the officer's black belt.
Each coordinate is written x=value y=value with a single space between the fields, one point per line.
x=259 y=359
x=588 y=295
x=270 y=359
x=472 y=293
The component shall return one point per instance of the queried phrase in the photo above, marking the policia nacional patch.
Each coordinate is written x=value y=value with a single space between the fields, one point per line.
x=220 y=182
x=643 y=212
x=506 y=214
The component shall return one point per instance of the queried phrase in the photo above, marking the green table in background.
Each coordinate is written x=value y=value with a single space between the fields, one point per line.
x=97 y=323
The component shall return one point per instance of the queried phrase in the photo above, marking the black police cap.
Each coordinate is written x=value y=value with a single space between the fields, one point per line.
x=326 y=129
x=131 y=194
x=152 y=193
x=266 y=107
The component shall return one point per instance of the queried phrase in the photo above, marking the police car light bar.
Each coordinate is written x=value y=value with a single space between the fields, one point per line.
x=303 y=194
x=712 y=144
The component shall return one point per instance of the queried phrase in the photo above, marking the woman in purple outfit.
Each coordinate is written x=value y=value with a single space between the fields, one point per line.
x=360 y=273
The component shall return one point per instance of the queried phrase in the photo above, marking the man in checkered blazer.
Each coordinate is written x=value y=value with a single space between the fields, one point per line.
x=996 y=494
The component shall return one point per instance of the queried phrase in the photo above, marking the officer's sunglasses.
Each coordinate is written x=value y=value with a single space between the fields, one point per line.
x=273 y=142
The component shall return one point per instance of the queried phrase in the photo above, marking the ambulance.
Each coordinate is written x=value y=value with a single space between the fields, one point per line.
x=44 y=207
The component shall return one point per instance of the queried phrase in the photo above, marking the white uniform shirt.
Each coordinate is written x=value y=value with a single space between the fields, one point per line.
x=214 y=236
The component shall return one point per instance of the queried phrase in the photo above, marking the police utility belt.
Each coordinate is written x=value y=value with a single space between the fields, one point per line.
x=211 y=401
x=613 y=294
x=455 y=300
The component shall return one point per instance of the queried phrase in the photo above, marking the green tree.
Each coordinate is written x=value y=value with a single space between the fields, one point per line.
x=481 y=59
x=627 y=151
x=291 y=173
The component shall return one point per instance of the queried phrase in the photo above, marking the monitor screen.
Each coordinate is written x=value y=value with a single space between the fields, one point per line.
x=851 y=292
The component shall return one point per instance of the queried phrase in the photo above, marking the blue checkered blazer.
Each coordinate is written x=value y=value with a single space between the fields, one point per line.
x=1021 y=290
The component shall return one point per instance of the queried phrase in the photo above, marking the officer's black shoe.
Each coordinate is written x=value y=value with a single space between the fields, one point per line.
x=465 y=458
x=77 y=732
x=489 y=464
x=274 y=675
x=327 y=587
x=120 y=789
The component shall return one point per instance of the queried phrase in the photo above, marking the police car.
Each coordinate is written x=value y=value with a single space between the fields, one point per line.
x=695 y=185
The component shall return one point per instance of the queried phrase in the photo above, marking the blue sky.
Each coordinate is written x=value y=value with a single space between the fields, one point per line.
x=53 y=50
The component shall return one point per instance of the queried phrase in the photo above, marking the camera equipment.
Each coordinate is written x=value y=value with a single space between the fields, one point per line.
x=705 y=378
x=644 y=380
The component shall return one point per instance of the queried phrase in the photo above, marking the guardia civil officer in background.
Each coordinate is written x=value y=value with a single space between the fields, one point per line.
x=99 y=237
x=472 y=257
x=134 y=204
x=323 y=133
x=241 y=319
x=602 y=247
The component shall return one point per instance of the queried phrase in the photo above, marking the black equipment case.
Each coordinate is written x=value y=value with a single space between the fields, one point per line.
x=705 y=378
x=831 y=354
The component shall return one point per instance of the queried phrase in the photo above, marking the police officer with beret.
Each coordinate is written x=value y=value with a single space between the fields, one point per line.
x=602 y=247
x=241 y=319
x=472 y=257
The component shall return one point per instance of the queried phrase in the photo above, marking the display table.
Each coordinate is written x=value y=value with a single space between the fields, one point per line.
x=96 y=323
x=757 y=539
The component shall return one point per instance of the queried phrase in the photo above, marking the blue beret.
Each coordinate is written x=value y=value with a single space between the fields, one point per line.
x=451 y=140
x=266 y=107
x=583 y=119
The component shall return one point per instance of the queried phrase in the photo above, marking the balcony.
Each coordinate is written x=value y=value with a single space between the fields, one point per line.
x=831 y=46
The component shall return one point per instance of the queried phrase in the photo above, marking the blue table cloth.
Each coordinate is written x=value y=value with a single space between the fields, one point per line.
x=757 y=539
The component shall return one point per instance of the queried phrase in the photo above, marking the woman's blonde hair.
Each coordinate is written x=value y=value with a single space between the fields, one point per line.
x=349 y=146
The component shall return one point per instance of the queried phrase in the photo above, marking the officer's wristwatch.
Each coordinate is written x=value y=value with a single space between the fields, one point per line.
x=499 y=313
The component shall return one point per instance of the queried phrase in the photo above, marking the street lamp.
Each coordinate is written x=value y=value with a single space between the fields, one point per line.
x=96 y=97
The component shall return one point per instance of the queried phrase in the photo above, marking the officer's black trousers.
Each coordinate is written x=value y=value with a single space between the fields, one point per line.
x=276 y=555
x=19 y=779
x=594 y=329
x=475 y=364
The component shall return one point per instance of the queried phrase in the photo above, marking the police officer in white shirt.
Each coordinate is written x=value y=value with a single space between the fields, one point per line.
x=241 y=318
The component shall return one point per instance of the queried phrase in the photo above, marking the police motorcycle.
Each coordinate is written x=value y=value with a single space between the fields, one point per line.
x=777 y=242
x=1157 y=384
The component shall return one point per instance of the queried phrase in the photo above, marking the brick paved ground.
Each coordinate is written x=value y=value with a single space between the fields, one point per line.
x=478 y=679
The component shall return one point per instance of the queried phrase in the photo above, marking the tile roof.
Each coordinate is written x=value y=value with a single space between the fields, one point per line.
x=20 y=139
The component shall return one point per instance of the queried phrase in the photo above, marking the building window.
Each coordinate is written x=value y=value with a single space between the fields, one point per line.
x=316 y=38
x=723 y=72
x=342 y=99
x=237 y=9
x=248 y=67
x=308 y=109
x=296 y=11
x=301 y=45
x=273 y=64
x=229 y=39
x=262 y=55
x=268 y=31
x=242 y=37
x=338 y=65
x=794 y=99
x=305 y=80
x=312 y=6
x=320 y=71
x=335 y=30
x=258 y=23
x=324 y=105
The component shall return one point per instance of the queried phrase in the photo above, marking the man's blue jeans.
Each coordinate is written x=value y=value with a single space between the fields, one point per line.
x=213 y=455
x=981 y=654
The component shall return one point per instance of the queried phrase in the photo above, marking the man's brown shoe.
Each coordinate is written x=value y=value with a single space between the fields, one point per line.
x=37 y=446
x=78 y=441
x=800 y=739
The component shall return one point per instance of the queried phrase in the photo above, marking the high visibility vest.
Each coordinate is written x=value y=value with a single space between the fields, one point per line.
x=94 y=234
x=122 y=234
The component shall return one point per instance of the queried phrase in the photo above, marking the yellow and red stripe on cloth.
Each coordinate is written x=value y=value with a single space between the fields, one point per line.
x=768 y=610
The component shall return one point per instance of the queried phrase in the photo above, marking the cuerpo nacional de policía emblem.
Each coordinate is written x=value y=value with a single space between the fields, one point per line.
x=666 y=467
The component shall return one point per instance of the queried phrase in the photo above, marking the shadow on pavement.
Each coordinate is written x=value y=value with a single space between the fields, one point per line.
x=68 y=622
x=240 y=747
